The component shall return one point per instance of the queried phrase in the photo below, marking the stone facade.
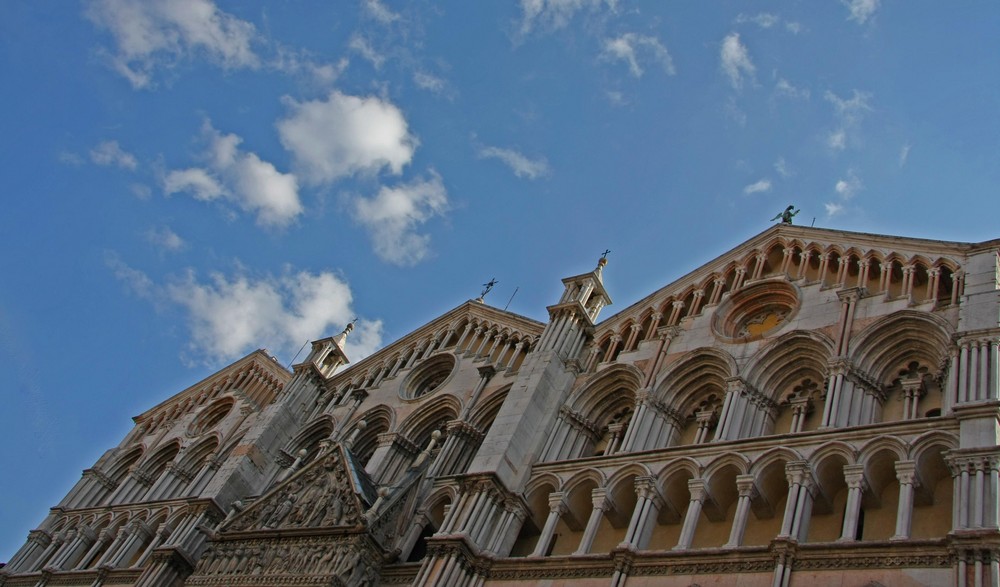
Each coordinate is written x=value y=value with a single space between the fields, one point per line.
x=814 y=407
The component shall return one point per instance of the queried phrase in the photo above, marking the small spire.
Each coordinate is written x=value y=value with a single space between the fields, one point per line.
x=341 y=338
x=602 y=262
x=486 y=289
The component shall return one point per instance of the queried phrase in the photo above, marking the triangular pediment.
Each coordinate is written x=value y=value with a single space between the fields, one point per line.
x=326 y=493
x=768 y=246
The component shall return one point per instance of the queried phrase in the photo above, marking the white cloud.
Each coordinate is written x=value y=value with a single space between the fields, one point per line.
x=344 y=135
x=781 y=166
x=393 y=216
x=861 y=10
x=363 y=47
x=195 y=181
x=793 y=27
x=625 y=47
x=70 y=158
x=141 y=191
x=136 y=281
x=785 y=88
x=849 y=187
x=426 y=81
x=555 y=14
x=110 y=153
x=379 y=11
x=165 y=239
x=240 y=177
x=904 y=154
x=521 y=165
x=230 y=316
x=833 y=209
x=763 y=185
x=153 y=33
x=764 y=20
x=735 y=60
x=852 y=109
x=293 y=61
x=837 y=140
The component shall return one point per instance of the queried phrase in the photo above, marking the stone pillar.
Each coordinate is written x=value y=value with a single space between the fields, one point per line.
x=38 y=541
x=906 y=473
x=854 y=475
x=557 y=507
x=647 y=507
x=601 y=503
x=747 y=492
x=699 y=491
x=796 y=518
x=705 y=420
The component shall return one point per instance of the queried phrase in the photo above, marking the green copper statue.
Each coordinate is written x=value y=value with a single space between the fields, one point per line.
x=786 y=216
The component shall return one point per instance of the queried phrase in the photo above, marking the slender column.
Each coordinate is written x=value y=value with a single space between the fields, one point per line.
x=854 y=475
x=699 y=491
x=786 y=260
x=38 y=541
x=103 y=537
x=461 y=339
x=842 y=264
x=54 y=545
x=161 y=536
x=758 y=268
x=741 y=274
x=803 y=263
x=863 y=267
x=601 y=503
x=795 y=473
x=557 y=507
x=824 y=263
x=513 y=356
x=615 y=340
x=747 y=492
x=963 y=373
x=633 y=336
x=906 y=473
x=120 y=538
x=675 y=312
x=655 y=317
x=699 y=295
x=803 y=508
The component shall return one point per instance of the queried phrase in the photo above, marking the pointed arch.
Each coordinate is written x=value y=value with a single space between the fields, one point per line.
x=898 y=339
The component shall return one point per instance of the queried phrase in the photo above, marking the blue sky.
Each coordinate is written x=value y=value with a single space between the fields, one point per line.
x=188 y=180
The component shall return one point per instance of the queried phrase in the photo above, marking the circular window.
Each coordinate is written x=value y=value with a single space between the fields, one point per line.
x=755 y=312
x=429 y=377
x=210 y=416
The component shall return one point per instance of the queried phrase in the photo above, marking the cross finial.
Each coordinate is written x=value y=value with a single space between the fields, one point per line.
x=604 y=255
x=488 y=286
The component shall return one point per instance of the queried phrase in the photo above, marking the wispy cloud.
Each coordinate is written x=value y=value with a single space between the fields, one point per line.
x=904 y=154
x=429 y=82
x=380 y=12
x=861 y=10
x=343 y=135
x=110 y=153
x=764 y=20
x=784 y=88
x=837 y=139
x=848 y=187
x=850 y=109
x=363 y=47
x=165 y=239
x=781 y=166
x=849 y=113
x=833 y=209
x=735 y=60
x=521 y=165
x=150 y=34
x=763 y=185
x=555 y=14
x=394 y=215
x=627 y=46
x=239 y=177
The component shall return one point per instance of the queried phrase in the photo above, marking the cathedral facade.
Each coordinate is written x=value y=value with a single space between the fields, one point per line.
x=814 y=407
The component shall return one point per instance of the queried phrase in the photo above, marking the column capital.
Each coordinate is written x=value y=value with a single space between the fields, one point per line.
x=698 y=489
x=600 y=500
x=854 y=475
x=746 y=486
x=557 y=502
x=906 y=473
x=645 y=486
